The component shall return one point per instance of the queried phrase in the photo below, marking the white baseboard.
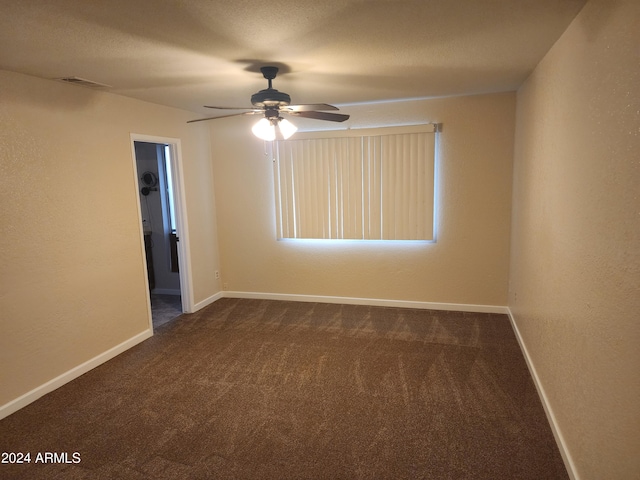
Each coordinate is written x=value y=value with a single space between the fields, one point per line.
x=29 y=397
x=207 y=301
x=458 y=307
x=562 y=446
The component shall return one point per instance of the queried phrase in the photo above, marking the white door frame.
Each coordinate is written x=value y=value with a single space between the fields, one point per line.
x=184 y=253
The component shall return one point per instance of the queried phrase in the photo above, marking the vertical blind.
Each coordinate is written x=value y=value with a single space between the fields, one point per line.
x=377 y=185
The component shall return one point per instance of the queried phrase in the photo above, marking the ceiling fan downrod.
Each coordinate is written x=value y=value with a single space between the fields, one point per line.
x=270 y=97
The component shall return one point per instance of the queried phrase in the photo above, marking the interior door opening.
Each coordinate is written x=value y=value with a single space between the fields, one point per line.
x=160 y=229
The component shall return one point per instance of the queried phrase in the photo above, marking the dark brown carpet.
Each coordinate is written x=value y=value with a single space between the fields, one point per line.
x=258 y=389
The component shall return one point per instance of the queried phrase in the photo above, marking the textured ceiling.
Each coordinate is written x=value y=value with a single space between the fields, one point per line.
x=186 y=53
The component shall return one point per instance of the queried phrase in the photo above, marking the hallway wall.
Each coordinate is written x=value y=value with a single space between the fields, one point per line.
x=154 y=221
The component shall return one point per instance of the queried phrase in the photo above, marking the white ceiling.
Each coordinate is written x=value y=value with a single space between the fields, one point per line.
x=186 y=53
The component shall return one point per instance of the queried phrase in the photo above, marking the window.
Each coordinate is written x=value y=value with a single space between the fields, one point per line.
x=170 y=203
x=376 y=184
x=168 y=217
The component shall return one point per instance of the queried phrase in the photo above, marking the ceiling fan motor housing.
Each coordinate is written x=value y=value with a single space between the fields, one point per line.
x=270 y=97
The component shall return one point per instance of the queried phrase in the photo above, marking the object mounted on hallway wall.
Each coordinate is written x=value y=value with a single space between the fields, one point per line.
x=149 y=180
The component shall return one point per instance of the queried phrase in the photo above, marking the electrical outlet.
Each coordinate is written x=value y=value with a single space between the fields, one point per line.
x=217 y=275
x=225 y=286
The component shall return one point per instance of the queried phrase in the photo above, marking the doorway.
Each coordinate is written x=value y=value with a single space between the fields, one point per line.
x=156 y=165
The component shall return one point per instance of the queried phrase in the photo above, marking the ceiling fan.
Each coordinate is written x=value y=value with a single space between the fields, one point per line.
x=272 y=104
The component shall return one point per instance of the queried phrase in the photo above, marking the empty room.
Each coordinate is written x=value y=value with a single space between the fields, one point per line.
x=351 y=239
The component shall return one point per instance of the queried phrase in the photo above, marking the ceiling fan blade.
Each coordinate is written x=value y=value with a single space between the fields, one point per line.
x=331 y=117
x=309 y=107
x=229 y=108
x=222 y=116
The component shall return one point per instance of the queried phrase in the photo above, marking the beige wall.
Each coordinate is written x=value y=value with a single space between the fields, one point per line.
x=72 y=283
x=575 y=272
x=469 y=262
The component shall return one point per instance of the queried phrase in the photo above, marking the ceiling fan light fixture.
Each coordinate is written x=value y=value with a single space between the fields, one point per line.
x=286 y=128
x=264 y=130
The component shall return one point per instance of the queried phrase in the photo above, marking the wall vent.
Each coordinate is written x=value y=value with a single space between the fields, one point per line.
x=83 y=82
